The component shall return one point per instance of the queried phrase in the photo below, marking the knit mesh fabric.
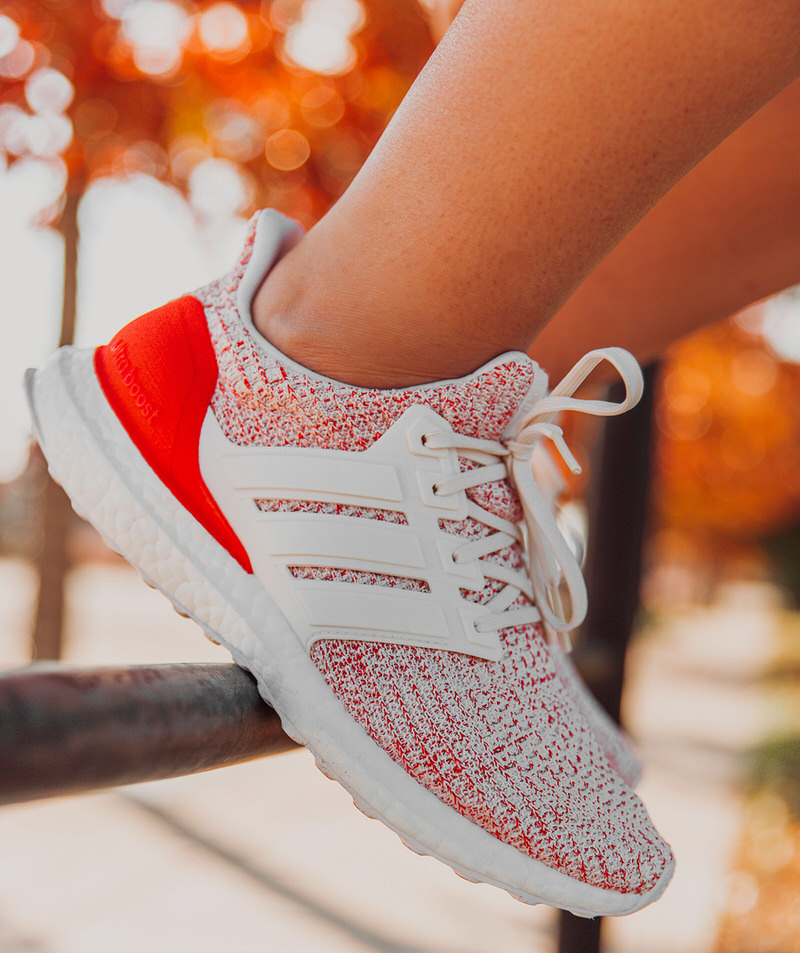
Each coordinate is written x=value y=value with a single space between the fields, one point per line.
x=503 y=743
x=617 y=746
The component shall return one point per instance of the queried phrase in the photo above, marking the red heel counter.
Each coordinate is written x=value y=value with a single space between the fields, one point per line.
x=158 y=374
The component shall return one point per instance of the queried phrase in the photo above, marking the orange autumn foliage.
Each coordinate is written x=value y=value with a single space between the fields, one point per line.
x=296 y=136
x=728 y=452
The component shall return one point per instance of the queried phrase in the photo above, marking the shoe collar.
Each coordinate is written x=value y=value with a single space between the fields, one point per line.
x=275 y=234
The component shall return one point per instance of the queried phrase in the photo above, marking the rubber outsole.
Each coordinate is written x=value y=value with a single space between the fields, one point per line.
x=110 y=485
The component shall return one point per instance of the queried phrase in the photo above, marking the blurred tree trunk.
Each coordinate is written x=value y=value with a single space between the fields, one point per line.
x=56 y=514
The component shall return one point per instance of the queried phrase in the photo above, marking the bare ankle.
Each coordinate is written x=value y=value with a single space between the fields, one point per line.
x=318 y=317
x=288 y=312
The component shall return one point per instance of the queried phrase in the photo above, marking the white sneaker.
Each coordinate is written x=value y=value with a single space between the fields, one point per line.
x=359 y=551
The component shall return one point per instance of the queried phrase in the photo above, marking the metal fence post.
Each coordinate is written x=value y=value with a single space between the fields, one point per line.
x=618 y=510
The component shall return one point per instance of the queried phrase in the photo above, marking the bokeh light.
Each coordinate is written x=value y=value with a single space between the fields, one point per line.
x=157 y=31
x=273 y=110
x=9 y=35
x=95 y=118
x=12 y=128
x=322 y=106
x=185 y=153
x=320 y=39
x=287 y=149
x=283 y=14
x=753 y=372
x=739 y=893
x=223 y=32
x=32 y=188
x=316 y=47
x=217 y=188
x=47 y=136
x=781 y=325
x=234 y=130
x=16 y=63
x=48 y=91
x=117 y=9
x=141 y=158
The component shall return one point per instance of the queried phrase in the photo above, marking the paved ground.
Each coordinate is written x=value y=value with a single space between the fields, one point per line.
x=270 y=856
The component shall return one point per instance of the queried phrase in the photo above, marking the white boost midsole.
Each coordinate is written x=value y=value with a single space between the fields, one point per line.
x=111 y=485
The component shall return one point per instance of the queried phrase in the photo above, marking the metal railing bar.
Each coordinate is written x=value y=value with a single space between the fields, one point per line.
x=67 y=730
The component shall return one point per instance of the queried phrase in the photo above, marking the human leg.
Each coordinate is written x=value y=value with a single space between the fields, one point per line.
x=726 y=236
x=533 y=140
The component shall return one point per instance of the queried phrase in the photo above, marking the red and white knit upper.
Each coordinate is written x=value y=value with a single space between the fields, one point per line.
x=503 y=743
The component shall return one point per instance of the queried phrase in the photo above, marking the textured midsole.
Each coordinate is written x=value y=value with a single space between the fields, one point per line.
x=111 y=485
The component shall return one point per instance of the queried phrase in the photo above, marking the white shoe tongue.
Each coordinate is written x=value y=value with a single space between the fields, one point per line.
x=487 y=405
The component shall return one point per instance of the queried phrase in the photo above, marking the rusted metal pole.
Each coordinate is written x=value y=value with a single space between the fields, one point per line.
x=617 y=521
x=66 y=730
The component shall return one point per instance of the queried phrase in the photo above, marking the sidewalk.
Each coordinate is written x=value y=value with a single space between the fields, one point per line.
x=695 y=705
x=270 y=856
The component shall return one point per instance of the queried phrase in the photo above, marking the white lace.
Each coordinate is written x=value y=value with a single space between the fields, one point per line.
x=553 y=569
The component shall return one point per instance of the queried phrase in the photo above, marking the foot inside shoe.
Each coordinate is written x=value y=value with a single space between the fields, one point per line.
x=478 y=756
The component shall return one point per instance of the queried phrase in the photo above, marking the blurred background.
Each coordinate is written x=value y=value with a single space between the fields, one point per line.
x=136 y=137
